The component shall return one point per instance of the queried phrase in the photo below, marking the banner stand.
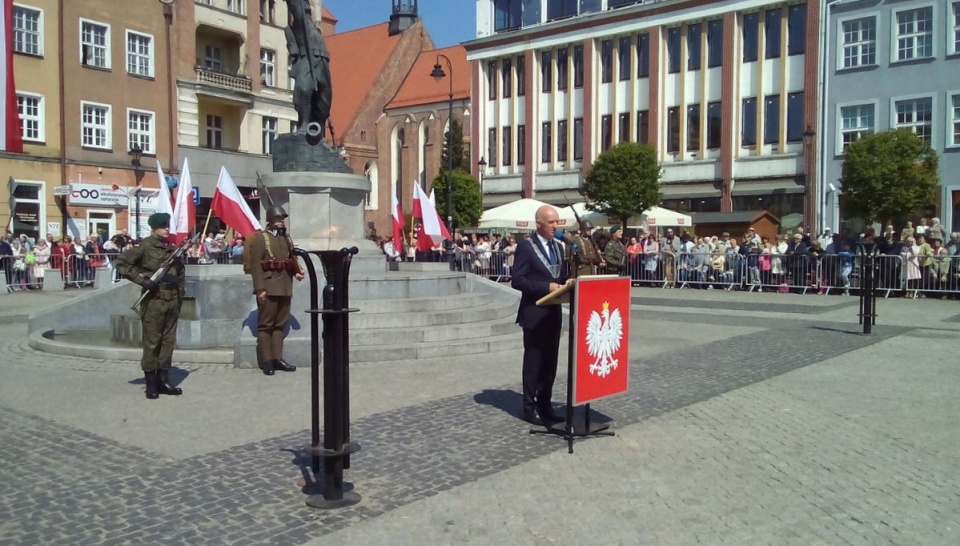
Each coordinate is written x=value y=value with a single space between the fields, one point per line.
x=576 y=426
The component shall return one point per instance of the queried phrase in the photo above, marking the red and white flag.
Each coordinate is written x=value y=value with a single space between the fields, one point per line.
x=432 y=234
x=443 y=227
x=165 y=204
x=232 y=208
x=11 y=138
x=398 y=223
x=184 y=217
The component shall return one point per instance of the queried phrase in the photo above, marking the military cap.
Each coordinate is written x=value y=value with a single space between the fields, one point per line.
x=159 y=220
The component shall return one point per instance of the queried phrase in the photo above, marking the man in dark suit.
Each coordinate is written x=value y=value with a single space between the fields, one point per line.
x=538 y=269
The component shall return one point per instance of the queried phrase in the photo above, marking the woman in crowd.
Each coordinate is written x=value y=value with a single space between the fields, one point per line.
x=94 y=255
x=509 y=253
x=634 y=250
x=911 y=268
x=20 y=274
x=41 y=261
x=483 y=250
x=651 y=257
x=766 y=262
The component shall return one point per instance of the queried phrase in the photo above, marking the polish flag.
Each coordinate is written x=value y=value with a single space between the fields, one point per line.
x=184 y=217
x=398 y=223
x=231 y=207
x=432 y=233
x=165 y=201
x=11 y=137
x=443 y=226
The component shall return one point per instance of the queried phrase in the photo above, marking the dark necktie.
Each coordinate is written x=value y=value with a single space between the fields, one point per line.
x=553 y=253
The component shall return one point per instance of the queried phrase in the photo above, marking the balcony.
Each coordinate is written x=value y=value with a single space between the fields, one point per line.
x=226 y=81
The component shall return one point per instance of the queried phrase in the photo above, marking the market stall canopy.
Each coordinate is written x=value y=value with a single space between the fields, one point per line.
x=520 y=215
x=654 y=217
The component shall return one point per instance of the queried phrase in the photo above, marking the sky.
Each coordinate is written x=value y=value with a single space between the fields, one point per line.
x=449 y=22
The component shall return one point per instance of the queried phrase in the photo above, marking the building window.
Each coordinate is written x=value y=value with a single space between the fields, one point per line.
x=546 y=142
x=751 y=26
x=673 y=50
x=623 y=128
x=559 y=9
x=606 y=61
x=268 y=68
x=643 y=55
x=27 y=30
x=94 y=44
x=954 y=120
x=643 y=126
x=915 y=34
x=714 y=125
x=95 y=125
x=141 y=132
x=693 y=128
x=795 y=114
x=268 y=134
x=492 y=147
x=562 y=140
x=30 y=108
x=673 y=129
x=506 y=76
x=521 y=144
x=213 y=59
x=956 y=27
x=507 y=146
x=606 y=132
x=856 y=122
x=578 y=139
x=771 y=119
x=236 y=6
x=546 y=71
x=860 y=42
x=214 y=132
x=268 y=12
x=507 y=14
x=521 y=76
x=771 y=34
x=715 y=43
x=623 y=57
x=797 y=29
x=492 y=71
x=694 y=43
x=139 y=54
x=562 y=69
x=916 y=115
x=748 y=135
x=578 y=66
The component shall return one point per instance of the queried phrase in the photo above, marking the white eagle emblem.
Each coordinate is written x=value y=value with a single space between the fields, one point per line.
x=604 y=333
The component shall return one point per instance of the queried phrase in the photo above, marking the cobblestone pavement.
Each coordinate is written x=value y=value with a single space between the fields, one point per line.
x=790 y=430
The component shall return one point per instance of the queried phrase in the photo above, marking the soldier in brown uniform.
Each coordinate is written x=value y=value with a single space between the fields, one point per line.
x=160 y=311
x=273 y=271
x=589 y=256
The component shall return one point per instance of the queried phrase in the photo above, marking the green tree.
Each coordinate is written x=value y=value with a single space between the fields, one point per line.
x=467 y=204
x=454 y=141
x=624 y=181
x=888 y=176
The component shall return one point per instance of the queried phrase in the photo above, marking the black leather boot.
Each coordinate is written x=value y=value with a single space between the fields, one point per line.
x=283 y=366
x=163 y=384
x=150 y=379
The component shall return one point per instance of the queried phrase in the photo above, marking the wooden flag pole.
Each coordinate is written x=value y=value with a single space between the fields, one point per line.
x=206 y=224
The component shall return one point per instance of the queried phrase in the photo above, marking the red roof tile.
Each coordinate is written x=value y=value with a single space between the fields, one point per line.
x=357 y=58
x=419 y=88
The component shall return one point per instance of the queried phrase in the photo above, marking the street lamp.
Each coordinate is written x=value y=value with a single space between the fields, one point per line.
x=438 y=74
x=809 y=190
x=483 y=169
x=136 y=153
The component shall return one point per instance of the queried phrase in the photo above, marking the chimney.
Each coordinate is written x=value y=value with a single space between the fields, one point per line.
x=403 y=17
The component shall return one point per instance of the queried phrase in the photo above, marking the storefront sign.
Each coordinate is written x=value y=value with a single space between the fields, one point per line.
x=96 y=195
x=61 y=191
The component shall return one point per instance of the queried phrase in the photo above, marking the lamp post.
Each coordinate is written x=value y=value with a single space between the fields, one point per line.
x=438 y=74
x=809 y=187
x=136 y=153
x=482 y=170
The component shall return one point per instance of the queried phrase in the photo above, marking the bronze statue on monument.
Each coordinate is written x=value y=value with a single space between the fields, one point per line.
x=310 y=69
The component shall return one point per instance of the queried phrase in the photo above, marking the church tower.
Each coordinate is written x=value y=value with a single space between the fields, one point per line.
x=403 y=17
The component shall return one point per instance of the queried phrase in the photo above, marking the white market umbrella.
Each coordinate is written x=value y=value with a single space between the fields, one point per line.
x=659 y=216
x=520 y=215
x=653 y=217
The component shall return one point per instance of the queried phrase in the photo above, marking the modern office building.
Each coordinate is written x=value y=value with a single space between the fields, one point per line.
x=725 y=90
x=888 y=65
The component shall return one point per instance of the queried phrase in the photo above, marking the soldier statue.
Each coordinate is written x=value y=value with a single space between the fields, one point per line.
x=310 y=69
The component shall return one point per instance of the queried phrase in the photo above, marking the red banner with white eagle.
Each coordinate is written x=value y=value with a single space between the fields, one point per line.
x=602 y=342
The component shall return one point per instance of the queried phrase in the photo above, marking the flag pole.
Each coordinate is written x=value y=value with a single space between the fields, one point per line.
x=207 y=223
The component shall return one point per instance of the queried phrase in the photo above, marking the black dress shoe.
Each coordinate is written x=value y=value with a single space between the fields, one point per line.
x=283 y=366
x=548 y=416
x=267 y=367
x=531 y=418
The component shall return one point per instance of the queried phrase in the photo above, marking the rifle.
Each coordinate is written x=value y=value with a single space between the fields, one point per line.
x=165 y=267
x=263 y=189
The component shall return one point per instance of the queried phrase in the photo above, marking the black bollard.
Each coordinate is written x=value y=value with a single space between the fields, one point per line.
x=868 y=289
x=314 y=361
x=336 y=443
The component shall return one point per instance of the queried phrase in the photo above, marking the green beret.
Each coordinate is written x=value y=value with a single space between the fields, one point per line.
x=614 y=228
x=159 y=220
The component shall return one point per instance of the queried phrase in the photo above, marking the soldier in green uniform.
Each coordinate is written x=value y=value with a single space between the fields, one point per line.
x=160 y=310
x=273 y=269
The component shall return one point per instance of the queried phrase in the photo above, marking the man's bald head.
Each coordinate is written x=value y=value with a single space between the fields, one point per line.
x=547 y=221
